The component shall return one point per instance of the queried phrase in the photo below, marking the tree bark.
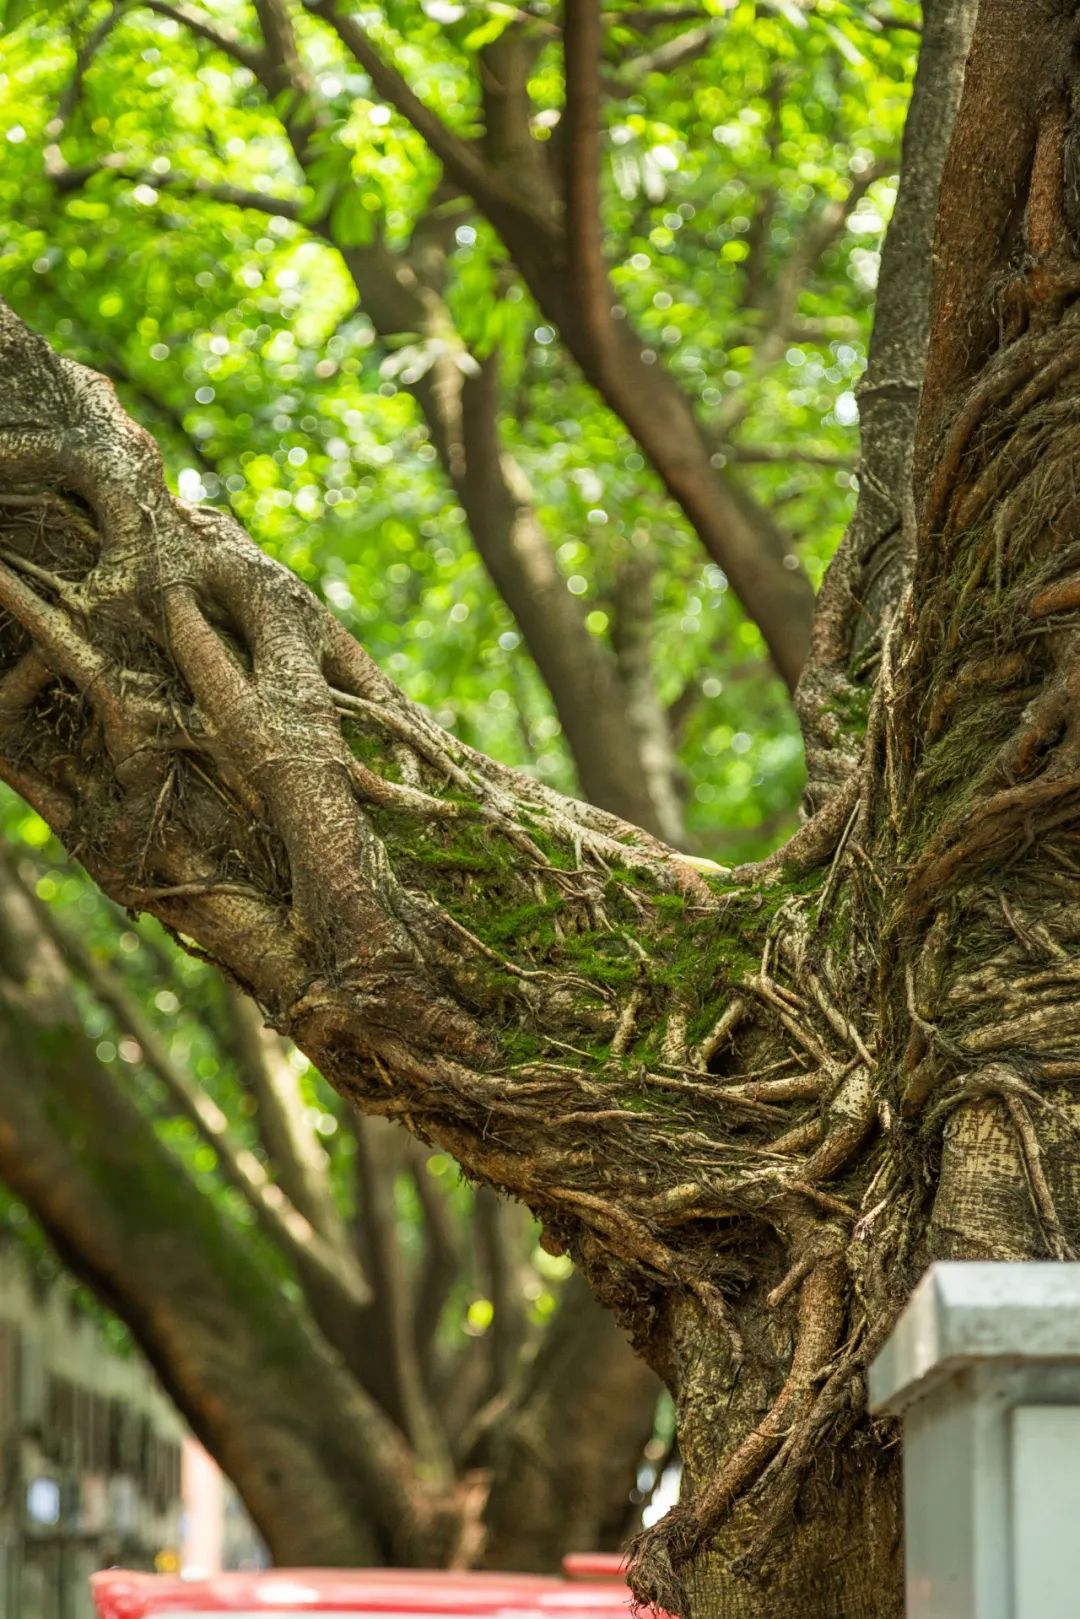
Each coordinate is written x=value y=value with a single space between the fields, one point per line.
x=574 y=1011
x=570 y=1435
x=751 y=1104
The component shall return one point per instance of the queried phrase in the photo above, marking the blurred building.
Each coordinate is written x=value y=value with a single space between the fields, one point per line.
x=95 y=1465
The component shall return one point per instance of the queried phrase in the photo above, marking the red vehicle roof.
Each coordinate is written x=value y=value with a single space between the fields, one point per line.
x=601 y=1594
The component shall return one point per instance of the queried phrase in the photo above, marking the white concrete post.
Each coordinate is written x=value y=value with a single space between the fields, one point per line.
x=984 y=1369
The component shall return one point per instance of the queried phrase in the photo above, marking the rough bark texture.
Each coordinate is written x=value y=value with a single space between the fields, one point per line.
x=872 y=567
x=513 y=1477
x=752 y=1104
x=577 y=1013
x=532 y=984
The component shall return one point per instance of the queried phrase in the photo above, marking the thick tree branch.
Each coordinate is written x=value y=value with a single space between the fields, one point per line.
x=509 y=145
x=868 y=574
x=260 y=685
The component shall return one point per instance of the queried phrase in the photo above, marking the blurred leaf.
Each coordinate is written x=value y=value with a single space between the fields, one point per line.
x=352 y=222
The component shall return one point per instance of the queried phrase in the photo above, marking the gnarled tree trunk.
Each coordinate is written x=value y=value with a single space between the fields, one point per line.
x=751 y=1104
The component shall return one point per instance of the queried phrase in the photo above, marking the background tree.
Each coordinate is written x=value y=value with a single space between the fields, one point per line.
x=582 y=1015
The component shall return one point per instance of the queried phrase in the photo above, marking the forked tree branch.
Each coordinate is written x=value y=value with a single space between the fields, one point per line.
x=728 y=1094
x=464 y=165
x=377 y=975
x=737 y=532
x=694 y=1077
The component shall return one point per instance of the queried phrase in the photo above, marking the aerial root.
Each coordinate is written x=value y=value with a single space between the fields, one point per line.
x=720 y=1033
x=659 y=1557
x=624 y=1030
x=1041 y=1196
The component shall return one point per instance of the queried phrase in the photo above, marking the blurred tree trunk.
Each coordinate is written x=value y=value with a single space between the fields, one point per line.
x=560 y=1453
x=326 y=1477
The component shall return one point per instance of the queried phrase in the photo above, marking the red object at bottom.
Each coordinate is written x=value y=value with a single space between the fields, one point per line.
x=596 y=1590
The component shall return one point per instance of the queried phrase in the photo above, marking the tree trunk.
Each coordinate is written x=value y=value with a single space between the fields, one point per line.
x=577 y=1013
x=753 y=1104
x=571 y=1443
